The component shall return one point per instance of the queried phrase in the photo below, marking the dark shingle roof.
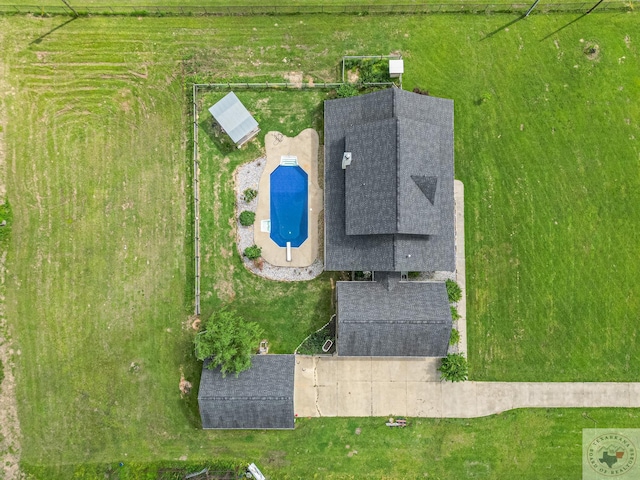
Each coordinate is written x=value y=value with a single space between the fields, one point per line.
x=259 y=398
x=391 y=318
x=392 y=208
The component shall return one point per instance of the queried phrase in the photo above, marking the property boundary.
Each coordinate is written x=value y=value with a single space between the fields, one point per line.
x=240 y=10
x=196 y=155
x=196 y=200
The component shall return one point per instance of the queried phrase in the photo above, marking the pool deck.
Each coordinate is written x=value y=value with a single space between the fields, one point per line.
x=305 y=147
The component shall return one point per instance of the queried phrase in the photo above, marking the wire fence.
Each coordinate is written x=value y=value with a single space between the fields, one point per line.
x=241 y=10
x=196 y=200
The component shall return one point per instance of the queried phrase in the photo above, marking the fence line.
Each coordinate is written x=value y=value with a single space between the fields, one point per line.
x=238 y=10
x=196 y=200
x=287 y=85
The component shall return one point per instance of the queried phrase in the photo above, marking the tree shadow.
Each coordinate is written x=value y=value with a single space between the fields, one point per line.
x=42 y=37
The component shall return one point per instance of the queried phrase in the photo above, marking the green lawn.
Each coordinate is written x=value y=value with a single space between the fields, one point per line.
x=100 y=262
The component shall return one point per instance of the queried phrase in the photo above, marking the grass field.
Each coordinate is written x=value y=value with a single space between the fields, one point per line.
x=99 y=283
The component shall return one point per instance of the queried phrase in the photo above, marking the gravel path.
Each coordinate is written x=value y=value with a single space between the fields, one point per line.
x=248 y=176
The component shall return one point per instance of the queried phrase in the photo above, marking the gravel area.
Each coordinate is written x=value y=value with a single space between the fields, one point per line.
x=248 y=176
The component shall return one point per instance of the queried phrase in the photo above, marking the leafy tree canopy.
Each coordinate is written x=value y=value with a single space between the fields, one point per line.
x=229 y=341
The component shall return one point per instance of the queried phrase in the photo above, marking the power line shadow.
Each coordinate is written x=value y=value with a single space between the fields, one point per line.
x=503 y=27
x=565 y=26
x=42 y=37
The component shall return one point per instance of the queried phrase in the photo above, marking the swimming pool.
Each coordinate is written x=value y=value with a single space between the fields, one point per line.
x=289 y=205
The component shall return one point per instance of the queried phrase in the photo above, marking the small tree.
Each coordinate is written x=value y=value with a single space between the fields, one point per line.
x=229 y=341
x=247 y=218
x=454 y=368
x=453 y=291
x=252 y=252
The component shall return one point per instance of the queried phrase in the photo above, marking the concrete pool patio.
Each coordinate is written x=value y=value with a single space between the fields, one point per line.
x=304 y=147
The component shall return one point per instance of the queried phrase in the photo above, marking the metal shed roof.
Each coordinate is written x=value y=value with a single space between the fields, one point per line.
x=233 y=117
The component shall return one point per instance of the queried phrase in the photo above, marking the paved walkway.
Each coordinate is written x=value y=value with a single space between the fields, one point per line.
x=375 y=386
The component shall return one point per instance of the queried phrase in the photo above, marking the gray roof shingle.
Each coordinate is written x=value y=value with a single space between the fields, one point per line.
x=259 y=398
x=392 y=209
x=391 y=318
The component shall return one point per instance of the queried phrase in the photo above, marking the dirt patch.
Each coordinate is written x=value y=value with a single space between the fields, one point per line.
x=184 y=385
x=592 y=51
x=310 y=81
x=627 y=41
x=352 y=76
x=295 y=78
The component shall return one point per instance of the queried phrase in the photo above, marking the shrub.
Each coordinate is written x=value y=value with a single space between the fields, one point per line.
x=249 y=194
x=454 y=313
x=247 y=218
x=414 y=275
x=454 y=368
x=453 y=291
x=455 y=337
x=347 y=90
x=252 y=252
x=485 y=97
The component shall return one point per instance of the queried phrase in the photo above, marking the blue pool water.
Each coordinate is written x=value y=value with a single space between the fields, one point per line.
x=289 y=206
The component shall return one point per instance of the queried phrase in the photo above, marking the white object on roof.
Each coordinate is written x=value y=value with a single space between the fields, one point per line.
x=235 y=119
x=396 y=68
x=346 y=160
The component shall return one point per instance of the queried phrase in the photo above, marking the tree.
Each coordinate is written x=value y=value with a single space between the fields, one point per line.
x=229 y=341
x=454 y=368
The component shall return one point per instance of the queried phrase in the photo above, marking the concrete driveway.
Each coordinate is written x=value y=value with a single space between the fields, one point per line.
x=384 y=386
x=361 y=386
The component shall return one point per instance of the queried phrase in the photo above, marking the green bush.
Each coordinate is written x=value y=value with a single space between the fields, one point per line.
x=5 y=215
x=453 y=291
x=455 y=337
x=252 y=252
x=454 y=313
x=228 y=340
x=247 y=218
x=249 y=194
x=347 y=90
x=414 y=275
x=454 y=368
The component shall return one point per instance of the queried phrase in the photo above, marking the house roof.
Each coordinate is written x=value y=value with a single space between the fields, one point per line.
x=259 y=398
x=233 y=117
x=392 y=208
x=393 y=318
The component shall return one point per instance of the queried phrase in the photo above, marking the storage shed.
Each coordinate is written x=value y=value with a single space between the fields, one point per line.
x=235 y=119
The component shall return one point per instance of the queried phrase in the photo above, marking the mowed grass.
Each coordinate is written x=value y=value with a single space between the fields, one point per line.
x=98 y=160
